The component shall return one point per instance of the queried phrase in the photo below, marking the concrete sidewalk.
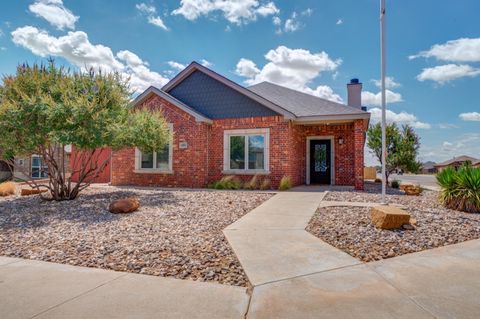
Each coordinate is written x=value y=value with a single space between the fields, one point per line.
x=35 y=289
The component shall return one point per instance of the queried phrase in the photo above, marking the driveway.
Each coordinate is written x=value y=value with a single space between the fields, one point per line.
x=427 y=181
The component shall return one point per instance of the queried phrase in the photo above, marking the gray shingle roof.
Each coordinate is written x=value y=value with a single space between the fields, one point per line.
x=301 y=104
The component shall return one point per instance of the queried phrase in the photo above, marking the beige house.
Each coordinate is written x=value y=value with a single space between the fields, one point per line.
x=456 y=162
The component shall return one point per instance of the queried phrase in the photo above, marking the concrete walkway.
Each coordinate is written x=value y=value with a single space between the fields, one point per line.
x=35 y=289
x=296 y=275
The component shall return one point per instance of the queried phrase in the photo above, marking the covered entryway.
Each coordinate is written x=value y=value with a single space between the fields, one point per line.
x=320 y=160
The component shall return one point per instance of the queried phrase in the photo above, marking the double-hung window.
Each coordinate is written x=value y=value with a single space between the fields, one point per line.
x=156 y=162
x=246 y=150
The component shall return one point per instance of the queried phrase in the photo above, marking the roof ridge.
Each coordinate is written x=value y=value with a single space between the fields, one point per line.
x=306 y=94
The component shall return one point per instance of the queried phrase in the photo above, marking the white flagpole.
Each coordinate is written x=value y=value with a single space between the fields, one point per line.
x=384 y=101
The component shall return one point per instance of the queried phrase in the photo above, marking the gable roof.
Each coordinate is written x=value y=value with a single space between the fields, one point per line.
x=463 y=158
x=194 y=66
x=153 y=90
x=304 y=105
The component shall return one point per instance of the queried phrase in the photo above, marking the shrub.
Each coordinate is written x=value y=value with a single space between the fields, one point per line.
x=460 y=190
x=285 y=183
x=395 y=184
x=227 y=182
x=378 y=180
x=266 y=184
x=7 y=188
x=253 y=183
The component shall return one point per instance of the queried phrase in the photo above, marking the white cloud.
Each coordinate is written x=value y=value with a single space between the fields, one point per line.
x=177 y=66
x=76 y=48
x=3 y=49
x=372 y=99
x=276 y=21
x=447 y=126
x=464 y=144
x=292 y=24
x=150 y=11
x=399 y=118
x=235 y=11
x=293 y=68
x=339 y=22
x=460 y=50
x=55 y=13
x=308 y=12
x=206 y=63
x=389 y=83
x=1 y=33
x=145 y=8
x=470 y=116
x=325 y=92
x=448 y=72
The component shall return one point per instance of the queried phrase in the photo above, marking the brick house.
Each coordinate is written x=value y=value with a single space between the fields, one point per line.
x=222 y=128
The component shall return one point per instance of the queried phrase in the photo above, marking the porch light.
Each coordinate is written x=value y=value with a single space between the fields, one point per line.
x=340 y=140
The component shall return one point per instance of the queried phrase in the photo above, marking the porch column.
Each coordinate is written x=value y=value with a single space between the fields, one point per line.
x=359 y=137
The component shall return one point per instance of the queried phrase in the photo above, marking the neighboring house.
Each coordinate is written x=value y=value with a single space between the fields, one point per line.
x=221 y=128
x=34 y=167
x=428 y=168
x=476 y=164
x=455 y=162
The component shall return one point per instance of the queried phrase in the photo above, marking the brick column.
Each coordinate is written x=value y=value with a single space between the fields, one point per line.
x=359 y=137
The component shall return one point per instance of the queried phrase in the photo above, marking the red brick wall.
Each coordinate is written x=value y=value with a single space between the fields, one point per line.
x=189 y=165
x=202 y=161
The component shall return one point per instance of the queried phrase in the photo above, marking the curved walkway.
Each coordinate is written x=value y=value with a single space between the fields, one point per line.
x=296 y=275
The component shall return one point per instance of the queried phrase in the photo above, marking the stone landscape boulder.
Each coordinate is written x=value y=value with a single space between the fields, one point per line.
x=389 y=217
x=124 y=206
x=412 y=190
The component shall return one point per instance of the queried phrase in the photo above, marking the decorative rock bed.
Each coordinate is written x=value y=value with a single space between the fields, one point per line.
x=174 y=233
x=350 y=228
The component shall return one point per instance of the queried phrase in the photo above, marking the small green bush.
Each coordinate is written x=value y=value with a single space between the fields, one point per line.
x=460 y=190
x=395 y=184
x=227 y=182
x=266 y=184
x=253 y=183
x=285 y=183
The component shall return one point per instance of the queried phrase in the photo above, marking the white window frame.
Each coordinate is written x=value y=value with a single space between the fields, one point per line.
x=246 y=132
x=138 y=159
x=41 y=167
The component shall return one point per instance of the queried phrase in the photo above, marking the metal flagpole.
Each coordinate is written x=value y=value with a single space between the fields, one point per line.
x=384 y=101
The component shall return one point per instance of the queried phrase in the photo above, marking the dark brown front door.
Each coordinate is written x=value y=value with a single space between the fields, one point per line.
x=320 y=159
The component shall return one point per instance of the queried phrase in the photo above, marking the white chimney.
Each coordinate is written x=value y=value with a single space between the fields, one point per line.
x=354 y=89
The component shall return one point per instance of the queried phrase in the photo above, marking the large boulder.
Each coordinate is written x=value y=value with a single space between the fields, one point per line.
x=124 y=206
x=389 y=217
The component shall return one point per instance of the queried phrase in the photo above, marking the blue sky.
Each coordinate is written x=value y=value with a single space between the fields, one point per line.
x=311 y=45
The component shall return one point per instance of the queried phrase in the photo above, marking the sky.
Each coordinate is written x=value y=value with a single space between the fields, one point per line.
x=315 y=46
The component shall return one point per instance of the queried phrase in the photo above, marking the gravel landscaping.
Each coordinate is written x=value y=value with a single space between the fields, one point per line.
x=174 y=233
x=349 y=228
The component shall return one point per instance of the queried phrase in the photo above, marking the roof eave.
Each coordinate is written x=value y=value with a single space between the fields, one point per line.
x=194 y=66
x=153 y=90
x=332 y=117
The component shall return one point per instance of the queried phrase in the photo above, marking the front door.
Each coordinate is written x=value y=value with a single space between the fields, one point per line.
x=320 y=159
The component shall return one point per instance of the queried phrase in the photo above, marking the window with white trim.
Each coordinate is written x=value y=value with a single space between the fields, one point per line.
x=39 y=168
x=158 y=161
x=246 y=150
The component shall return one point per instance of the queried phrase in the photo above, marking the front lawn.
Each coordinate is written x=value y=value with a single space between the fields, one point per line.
x=174 y=233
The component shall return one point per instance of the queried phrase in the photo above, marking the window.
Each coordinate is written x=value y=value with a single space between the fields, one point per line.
x=39 y=169
x=159 y=161
x=246 y=150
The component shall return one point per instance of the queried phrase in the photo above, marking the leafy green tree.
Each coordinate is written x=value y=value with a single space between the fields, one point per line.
x=402 y=145
x=43 y=108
